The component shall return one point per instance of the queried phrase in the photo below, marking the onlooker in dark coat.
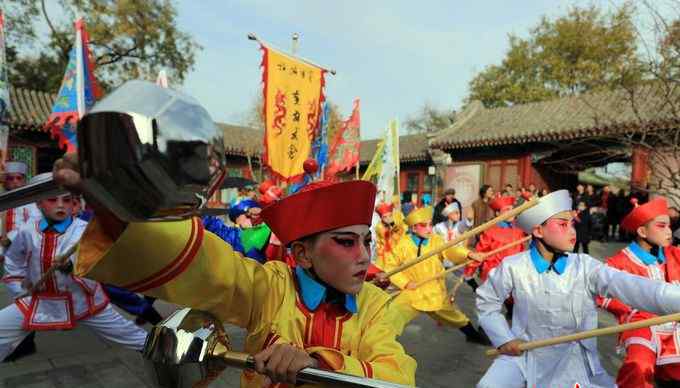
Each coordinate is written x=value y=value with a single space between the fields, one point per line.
x=449 y=197
x=579 y=195
x=481 y=207
x=613 y=215
x=583 y=224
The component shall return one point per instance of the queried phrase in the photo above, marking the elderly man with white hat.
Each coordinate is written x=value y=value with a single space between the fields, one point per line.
x=554 y=294
x=15 y=219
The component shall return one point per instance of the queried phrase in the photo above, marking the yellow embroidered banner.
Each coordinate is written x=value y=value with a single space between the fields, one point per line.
x=293 y=92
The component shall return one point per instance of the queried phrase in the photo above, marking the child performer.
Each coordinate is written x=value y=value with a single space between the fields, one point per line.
x=63 y=300
x=495 y=237
x=431 y=297
x=554 y=292
x=652 y=353
x=320 y=314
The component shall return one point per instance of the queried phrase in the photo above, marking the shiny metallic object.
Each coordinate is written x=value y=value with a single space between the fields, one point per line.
x=190 y=347
x=146 y=153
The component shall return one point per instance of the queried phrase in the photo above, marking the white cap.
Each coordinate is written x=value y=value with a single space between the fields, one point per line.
x=549 y=205
x=450 y=208
x=41 y=177
x=16 y=168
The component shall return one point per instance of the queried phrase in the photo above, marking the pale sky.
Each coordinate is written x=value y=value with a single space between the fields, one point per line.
x=394 y=55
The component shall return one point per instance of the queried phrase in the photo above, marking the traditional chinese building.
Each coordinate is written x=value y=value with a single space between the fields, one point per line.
x=547 y=143
x=28 y=142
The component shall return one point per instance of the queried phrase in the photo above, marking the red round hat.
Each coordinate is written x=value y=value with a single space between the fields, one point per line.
x=319 y=207
x=384 y=208
x=645 y=213
x=499 y=203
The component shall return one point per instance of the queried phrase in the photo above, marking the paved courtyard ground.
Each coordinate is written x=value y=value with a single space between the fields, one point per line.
x=78 y=358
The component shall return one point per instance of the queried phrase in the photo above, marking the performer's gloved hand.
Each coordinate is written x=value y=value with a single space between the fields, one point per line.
x=381 y=280
x=67 y=267
x=475 y=256
x=511 y=348
x=280 y=363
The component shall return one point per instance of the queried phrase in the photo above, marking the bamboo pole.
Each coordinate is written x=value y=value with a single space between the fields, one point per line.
x=593 y=333
x=466 y=262
x=463 y=237
x=254 y=37
x=60 y=260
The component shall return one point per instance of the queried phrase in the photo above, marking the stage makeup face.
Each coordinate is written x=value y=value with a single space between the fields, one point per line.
x=339 y=257
x=57 y=208
x=423 y=229
x=558 y=231
x=657 y=231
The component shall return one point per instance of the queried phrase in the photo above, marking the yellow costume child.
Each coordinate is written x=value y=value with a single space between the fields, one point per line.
x=334 y=324
x=431 y=297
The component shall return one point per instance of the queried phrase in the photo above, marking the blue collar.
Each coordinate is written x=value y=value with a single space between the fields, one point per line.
x=313 y=292
x=418 y=240
x=645 y=256
x=543 y=265
x=504 y=224
x=59 y=227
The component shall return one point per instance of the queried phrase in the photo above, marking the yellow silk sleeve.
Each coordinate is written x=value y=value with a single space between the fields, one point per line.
x=393 y=260
x=457 y=254
x=181 y=263
x=379 y=356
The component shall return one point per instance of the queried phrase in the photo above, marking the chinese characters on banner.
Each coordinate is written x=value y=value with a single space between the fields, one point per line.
x=4 y=98
x=293 y=93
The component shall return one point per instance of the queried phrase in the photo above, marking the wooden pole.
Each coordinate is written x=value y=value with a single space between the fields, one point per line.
x=463 y=237
x=254 y=37
x=593 y=333
x=357 y=171
x=465 y=263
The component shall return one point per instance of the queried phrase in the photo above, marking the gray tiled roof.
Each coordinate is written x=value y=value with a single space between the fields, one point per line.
x=29 y=109
x=558 y=119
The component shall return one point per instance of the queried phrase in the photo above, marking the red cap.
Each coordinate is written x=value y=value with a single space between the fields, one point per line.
x=499 y=203
x=644 y=213
x=384 y=208
x=319 y=207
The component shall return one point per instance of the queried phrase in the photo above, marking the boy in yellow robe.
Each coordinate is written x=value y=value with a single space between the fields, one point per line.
x=320 y=314
x=388 y=231
x=430 y=297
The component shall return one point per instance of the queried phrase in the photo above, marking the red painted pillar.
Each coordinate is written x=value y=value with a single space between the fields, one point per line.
x=640 y=167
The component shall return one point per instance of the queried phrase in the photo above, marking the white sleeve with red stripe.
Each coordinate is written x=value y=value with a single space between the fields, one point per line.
x=16 y=265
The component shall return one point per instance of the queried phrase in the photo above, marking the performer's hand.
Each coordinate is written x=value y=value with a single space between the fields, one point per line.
x=511 y=348
x=67 y=173
x=26 y=284
x=476 y=256
x=280 y=363
x=411 y=286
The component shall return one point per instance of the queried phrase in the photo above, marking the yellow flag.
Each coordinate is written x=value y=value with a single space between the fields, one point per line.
x=375 y=166
x=293 y=92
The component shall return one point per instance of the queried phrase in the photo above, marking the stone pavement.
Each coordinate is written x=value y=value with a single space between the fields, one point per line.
x=78 y=358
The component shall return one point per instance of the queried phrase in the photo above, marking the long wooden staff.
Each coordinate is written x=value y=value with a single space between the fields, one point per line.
x=470 y=233
x=58 y=262
x=463 y=264
x=593 y=333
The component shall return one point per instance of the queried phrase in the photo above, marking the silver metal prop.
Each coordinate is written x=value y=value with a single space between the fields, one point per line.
x=146 y=153
x=191 y=347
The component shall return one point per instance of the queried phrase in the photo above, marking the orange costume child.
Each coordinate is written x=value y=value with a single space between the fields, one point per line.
x=495 y=237
x=321 y=313
x=388 y=232
x=651 y=353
